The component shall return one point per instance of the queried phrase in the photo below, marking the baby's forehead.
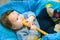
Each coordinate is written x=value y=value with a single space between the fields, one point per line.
x=12 y=16
x=14 y=12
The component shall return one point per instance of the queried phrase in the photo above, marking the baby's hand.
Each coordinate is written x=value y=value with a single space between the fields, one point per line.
x=57 y=28
x=33 y=27
x=30 y=22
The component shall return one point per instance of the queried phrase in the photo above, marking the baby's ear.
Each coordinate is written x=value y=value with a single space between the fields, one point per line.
x=13 y=27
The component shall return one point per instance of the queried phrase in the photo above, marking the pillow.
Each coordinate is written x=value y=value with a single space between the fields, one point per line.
x=6 y=34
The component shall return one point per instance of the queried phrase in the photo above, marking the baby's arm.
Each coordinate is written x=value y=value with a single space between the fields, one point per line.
x=30 y=21
x=32 y=33
x=33 y=27
x=31 y=18
x=31 y=15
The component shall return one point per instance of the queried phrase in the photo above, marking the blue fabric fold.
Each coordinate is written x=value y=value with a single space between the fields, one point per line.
x=18 y=6
x=6 y=34
x=55 y=36
x=55 y=5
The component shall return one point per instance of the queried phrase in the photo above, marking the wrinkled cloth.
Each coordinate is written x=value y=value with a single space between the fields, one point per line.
x=6 y=34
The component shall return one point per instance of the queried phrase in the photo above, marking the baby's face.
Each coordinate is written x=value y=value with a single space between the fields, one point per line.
x=16 y=19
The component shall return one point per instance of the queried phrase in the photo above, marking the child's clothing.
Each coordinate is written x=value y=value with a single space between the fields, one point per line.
x=25 y=33
x=54 y=14
x=45 y=21
x=48 y=18
x=56 y=18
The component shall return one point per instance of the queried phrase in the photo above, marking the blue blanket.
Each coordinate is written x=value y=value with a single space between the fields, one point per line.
x=6 y=34
x=21 y=7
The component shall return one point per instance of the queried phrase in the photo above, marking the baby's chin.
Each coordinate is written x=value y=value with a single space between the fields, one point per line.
x=16 y=29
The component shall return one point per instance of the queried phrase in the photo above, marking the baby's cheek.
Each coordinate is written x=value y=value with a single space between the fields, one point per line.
x=20 y=24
